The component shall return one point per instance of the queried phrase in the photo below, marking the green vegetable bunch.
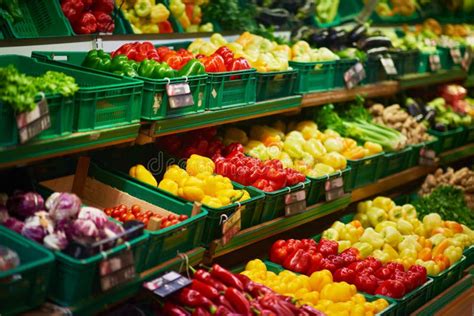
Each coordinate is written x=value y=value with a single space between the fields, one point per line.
x=19 y=90
x=446 y=116
x=448 y=202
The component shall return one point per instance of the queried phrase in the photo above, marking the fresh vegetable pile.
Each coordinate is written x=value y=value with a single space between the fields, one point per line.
x=146 y=16
x=326 y=10
x=319 y=290
x=449 y=202
x=220 y=292
x=198 y=183
x=19 y=90
x=394 y=233
x=89 y=16
x=357 y=123
x=11 y=11
x=60 y=222
x=369 y=275
x=395 y=117
x=445 y=117
x=189 y=14
x=462 y=179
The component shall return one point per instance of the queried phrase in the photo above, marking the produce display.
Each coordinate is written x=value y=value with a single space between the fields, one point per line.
x=445 y=118
x=319 y=290
x=462 y=179
x=19 y=91
x=89 y=16
x=8 y=259
x=326 y=10
x=221 y=292
x=60 y=222
x=368 y=274
x=146 y=16
x=11 y=10
x=189 y=15
x=395 y=117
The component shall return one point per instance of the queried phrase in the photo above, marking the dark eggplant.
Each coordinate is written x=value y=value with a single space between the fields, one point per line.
x=440 y=127
x=374 y=42
x=413 y=108
x=319 y=38
x=377 y=51
x=357 y=33
x=273 y=17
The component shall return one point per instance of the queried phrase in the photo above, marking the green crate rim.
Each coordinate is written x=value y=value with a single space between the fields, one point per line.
x=361 y=160
x=443 y=274
x=261 y=74
x=333 y=175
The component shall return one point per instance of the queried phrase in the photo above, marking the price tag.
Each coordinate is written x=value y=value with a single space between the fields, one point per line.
x=456 y=55
x=231 y=226
x=34 y=122
x=179 y=95
x=354 y=75
x=117 y=270
x=389 y=66
x=334 y=188
x=435 y=63
x=295 y=202
x=167 y=284
x=467 y=59
x=427 y=157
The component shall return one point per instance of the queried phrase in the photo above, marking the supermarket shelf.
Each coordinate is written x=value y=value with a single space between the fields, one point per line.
x=427 y=79
x=120 y=294
x=263 y=231
x=73 y=143
x=386 y=88
x=457 y=154
x=235 y=114
x=456 y=300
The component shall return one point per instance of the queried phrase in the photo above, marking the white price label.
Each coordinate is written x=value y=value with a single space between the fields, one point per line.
x=354 y=75
x=435 y=63
x=389 y=66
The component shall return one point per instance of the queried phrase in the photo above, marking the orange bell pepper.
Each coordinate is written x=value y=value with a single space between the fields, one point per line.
x=425 y=254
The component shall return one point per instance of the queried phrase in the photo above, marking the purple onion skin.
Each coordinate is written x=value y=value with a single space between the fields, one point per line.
x=63 y=205
x=24 y=204
x=14 y=224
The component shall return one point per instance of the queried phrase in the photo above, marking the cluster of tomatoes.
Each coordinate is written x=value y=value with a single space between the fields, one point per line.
x=123 y=214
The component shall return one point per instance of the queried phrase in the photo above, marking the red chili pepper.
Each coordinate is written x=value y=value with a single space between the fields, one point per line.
x=87 y=3
x=200 y=311
x=298 y=262
x=222 y=301
x=238 y=301
x=104 y=22
x=223 y=311
x=327 y=247
x=226 y=277
x=165 y=27
x=106 y=6
x=170 y=309
x=72 y=9
x=205 y=289
x=391 y=288
x=193 y=298
x=85 y=24
x=206 y=277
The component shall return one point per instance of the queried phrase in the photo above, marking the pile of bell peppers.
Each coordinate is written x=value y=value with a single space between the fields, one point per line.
x=368 y=275
x=220 y=292
x=147 y=16
x=136 y=61
x=189 y=14
x=223 y=60
x=89 y=16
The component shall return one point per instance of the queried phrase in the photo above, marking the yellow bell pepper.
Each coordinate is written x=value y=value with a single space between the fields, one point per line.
x=175 y=173
x=159 y=13
x=207 y=49
x=183 y=19
x=318 y=280
x=197 y=164
x=301 y=48
x=335 y=160
x=218 y=40
x=373 y=148
x=177 y=7
x=338 y=292
x=235 y=135
x=195 y=46
x=192 y=193
x=211 y=201
x=169 y=186
x=384 y=203
x=255 y=264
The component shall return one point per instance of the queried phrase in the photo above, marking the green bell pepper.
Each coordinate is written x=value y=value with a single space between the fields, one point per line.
x=97 y=59
x=119 y=62
x=163 y=70
x=147 y=68
x=193 y=68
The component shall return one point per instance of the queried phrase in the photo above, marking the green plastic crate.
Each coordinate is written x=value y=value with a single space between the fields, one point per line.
x=406 y=61
x=340 y=68
x=163 y=244
x=469 y=134
x=274 y=202
x=8 y=128
x=157 y=161
x=469 y=254
x=448 y=277
x=103 y=100
x=155 y=103
x=417 y=148
x=41 y=18
x=314 y=76
x=424 y=61
x=447 y=140
x=317 y=189
x=395 y=162
x=391 y=309
x=374 y=70
x=364 y=171
x=230 y=89
x=446 y=58
x=275 y=84
x=26 y=286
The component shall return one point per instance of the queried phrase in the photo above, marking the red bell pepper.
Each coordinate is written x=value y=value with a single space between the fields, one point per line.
x=165 y=27
x=277 y=177
x=383 y=273
x=85 y=24
x=186 y=55
x=391 y=288
x=226 y=54
x=316 y=259
x=207 y=278
x=205 y=289
x=358 y=266
x=226 y=277
x=278 y=251
x=192 y=298
x=162 y=51
x=174 y=60
x=238 y=64
x=420 y=271
x=238 y=301
x=394 y=266
x=72 y=9
x=373 y=263
x=344 y=274
x=327 y=247
x=104 y=22
x=87 y=4
x=106 y=6
x=298 y=262
x=264 y=185
x=213 y=63
x=366 y=283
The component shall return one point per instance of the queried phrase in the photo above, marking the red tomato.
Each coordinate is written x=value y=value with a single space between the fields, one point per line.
x=122 y=207
x=164 y=223
x=108 y=211
x=123 y=217
x=145 y=221
x=182 y=217
x=171 y=217
x=174 y=222
x=129 y=217
x=150 y=213
x=136 y=209
x=116 y=213
x=140 y=218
